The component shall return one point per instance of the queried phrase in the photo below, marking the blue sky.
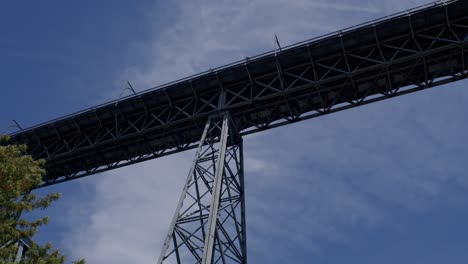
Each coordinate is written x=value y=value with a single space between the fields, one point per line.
x=381 y=183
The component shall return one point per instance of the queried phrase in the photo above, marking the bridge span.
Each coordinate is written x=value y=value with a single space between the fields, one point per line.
x=407 y=52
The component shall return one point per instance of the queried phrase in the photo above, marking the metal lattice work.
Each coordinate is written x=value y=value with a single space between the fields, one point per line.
x=23 y=245
x=209 y=223
x=407 y=52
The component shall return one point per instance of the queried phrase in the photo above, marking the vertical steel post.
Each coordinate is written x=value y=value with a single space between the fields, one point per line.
x=209 y=223
x=213 y=217
x=19 y=253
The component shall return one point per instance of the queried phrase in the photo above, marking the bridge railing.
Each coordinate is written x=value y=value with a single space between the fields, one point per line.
x=247 y=59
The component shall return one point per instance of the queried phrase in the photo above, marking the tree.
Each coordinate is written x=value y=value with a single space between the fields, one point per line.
x=19 y=174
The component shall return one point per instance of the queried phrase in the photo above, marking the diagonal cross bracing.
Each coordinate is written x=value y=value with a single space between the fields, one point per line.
x=408 y=52
x=404 y=53
x=209 y=223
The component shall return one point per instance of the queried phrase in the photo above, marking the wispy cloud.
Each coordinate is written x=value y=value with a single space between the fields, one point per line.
x=128 y=216
x=318 y=180
x=339 y=6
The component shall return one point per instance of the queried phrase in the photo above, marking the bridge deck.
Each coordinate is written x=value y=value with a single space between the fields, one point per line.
x=407 y=52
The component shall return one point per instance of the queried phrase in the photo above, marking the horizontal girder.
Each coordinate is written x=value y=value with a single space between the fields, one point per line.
x=408 y=52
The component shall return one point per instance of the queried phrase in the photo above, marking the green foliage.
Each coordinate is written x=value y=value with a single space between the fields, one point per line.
x=19 y=174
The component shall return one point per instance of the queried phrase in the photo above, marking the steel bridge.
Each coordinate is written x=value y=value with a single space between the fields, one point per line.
x=403 y=53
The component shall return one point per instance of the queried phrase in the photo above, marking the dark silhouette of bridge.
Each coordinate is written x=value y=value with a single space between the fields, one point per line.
x=396 y=55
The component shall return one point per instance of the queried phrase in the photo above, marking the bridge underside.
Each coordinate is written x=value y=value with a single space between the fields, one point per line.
x=405 y=53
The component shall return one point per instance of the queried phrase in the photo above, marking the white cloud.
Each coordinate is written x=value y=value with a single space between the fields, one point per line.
x=129 y=215
x=317 y=180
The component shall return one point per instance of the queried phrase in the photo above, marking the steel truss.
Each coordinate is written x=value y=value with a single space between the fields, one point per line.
x=22 y=245
x=382 y=59
x=209 y=223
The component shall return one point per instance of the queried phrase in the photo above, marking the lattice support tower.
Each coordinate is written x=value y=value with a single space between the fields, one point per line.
x=209 y=223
